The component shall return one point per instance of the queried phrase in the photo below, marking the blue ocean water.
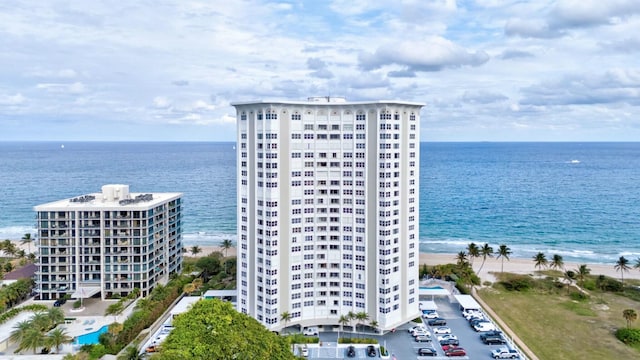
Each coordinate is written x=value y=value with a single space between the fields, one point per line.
x=580 y=200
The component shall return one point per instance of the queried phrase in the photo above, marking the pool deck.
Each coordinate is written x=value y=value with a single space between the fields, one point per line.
x=88 y=320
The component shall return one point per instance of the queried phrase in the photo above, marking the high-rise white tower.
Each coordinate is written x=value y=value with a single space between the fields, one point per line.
x=328 y=211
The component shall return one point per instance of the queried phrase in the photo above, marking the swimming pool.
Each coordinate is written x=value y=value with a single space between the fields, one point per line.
x=431 y=288
x=92 y=337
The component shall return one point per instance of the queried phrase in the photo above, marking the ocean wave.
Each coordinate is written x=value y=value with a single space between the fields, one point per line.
x=205 y=238
x=16 y=232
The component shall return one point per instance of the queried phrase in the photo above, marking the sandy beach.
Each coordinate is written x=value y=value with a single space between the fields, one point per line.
x=491 y=265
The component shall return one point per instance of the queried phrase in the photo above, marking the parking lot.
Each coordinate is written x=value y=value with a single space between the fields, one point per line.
x=402 y=345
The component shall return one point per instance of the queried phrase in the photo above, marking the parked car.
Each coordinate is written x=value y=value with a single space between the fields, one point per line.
x=304 y=352
x=446 y=337
x=430 y=314
x=427 y=351
x=475 y=322
x=485 y=326
x=457 y=351
x=351 y=351
x=423 y=338
x=59 y=302
x=454 y=342
x=371 y=351
x=437 y=322
x=420 y=333
x=505 y=353
x=492 y=337
x=310 y=331
x=441 y=330
x=418 y=327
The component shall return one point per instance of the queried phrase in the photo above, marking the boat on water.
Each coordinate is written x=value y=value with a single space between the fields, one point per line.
x=574 y=161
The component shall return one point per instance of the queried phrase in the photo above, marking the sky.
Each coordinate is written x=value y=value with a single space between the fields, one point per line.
x=487 y=70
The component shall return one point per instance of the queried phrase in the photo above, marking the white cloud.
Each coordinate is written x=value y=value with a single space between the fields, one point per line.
x=484 y=67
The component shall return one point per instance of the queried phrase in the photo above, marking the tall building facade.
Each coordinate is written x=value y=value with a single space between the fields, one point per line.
x=328 y=211
x=108 y=242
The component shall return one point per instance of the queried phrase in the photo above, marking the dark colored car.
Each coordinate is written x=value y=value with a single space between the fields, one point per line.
x=437 y=322
x=492 y=337
x=59 y=302
x=456 y=351
x=475 y=322
x=371 y=351
x=454 y=342
x=351 y=351
x=427 y=352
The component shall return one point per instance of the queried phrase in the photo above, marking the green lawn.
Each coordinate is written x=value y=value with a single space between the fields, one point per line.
x=556 y=327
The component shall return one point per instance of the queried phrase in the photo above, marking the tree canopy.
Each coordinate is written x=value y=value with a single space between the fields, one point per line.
x=213 y=329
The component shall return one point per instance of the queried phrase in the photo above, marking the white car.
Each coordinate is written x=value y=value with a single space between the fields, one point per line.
x=484 y=326
x=441 y=330
x=430 y=314
x=416 y=328
x=310 y=331
x=421 y=333
x=447 y=337
x=304 y=352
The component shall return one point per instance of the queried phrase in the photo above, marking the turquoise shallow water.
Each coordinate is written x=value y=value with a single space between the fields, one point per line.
x=580 y=200
x=92 y=337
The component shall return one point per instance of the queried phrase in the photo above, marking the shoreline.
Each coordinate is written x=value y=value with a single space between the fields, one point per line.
x=492 y=265
x=514 y=265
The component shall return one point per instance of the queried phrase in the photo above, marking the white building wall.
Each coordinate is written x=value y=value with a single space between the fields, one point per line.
x=328 y=211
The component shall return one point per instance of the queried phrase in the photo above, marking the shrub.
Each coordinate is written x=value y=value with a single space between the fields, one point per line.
x=589 y=284
x=15 y=311
x=301 y=339
x=628 y=336
x=77 y=304
x=357 y=341
x=417 y=320
x=578 y=296
x=609 y=284
x=518 y=283
x=383 y=351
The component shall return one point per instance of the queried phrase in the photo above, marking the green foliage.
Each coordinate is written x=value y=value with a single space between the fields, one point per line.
x=213 y=329
x=77 y=304
x=357 y=341
x=383 y=351
x=578 y=296
x=417 y=320
x=11 y=294
x=515 y=282
x=605 y=283
x=15 y=311
x=628 y=336
x=148 y=311
x=589 y=284
x=301 y=339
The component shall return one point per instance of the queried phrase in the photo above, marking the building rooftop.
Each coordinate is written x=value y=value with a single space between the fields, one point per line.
x=327 y=100
x=112 y=197
x=26 y=271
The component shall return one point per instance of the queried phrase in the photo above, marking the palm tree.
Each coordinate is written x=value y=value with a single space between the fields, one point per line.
x=485 y=251
x=55 y=315
x=503 y=253
x=114 y=309
x=286 y=317
x=461 y=258
x=637 y=264
x=57 y=338
x=343 y=321
x=474 y=251
x=374 y=324
x=195 y=250
x=26 y=239
x=352 y=316
x=541 y=260
x=19 y=331
x=557 y=262
x=568 y=277
x=41 y=321
x=622 y=265
x=33 y=339
x=581 y=272
x=630 y=315
x=226 y=244
x=361 y=317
